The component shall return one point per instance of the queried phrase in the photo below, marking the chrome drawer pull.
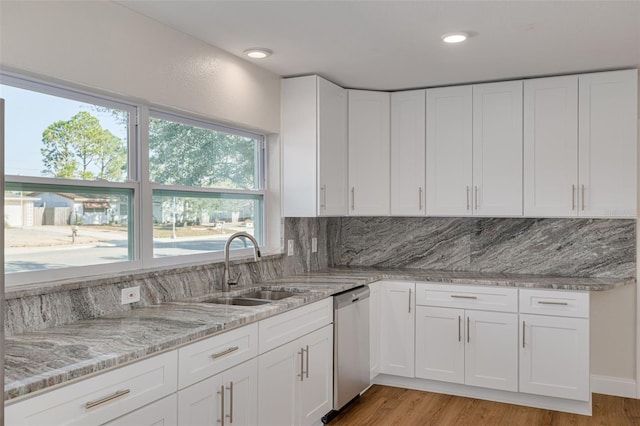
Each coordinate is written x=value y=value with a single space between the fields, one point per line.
x=117 y=394
x=456 y=296
x=225 y=352
x=221 y=393
x=230 y=415
x=542 y=302
x=307 y=372
x=459 y=332
x=301 y=353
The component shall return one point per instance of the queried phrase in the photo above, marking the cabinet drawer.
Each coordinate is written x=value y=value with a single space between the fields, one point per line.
x=211 y=356
x=139 y=384
x=555 y=302
x=498 y=299
x=160 y=413
x=283 y=328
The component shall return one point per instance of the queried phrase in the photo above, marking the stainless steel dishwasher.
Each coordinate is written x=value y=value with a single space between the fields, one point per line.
x=350 y=347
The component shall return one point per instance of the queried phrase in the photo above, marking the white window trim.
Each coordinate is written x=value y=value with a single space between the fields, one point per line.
x=142 y=199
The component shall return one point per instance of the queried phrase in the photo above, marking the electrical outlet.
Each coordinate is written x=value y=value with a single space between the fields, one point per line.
x=130 y=295
x=314 y=245
x=290 y=248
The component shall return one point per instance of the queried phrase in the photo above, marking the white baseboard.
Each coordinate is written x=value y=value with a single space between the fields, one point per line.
x=615 y=386
x=517 y=398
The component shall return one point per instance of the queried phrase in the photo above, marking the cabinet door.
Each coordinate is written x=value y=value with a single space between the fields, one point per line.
x=449 y=151
x=554 y=356
x=332 y=149
x=551 y=146
x=397 y=328
x=440 y=337
x=160 y=413
x=201 y=404
x=369 y=153
x=316 y=387
x=374 y=329
x=497 y=149
x=278 y=373
x=408 y=153
x=241 y=397
x=299 y=150
x=608 y=144
x=491 y=351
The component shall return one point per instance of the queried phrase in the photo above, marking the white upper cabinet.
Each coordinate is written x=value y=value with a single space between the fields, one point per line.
x=497 y=149
x=449 y=151
x=408 y=153
x=607 y=135
x=551 y=146
x=314 y=146
x=369 y=153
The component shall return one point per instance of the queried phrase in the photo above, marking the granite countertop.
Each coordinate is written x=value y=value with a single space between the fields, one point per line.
x=38 y=360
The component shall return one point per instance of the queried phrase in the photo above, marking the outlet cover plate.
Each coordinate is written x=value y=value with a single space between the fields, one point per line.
x=290 y=248
x=130 y=295
x=314 y=245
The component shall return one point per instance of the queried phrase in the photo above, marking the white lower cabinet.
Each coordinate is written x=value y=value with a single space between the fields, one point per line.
x=523 y=346
x=229 y=397
x=296 y=380
x=102 y=398
x=397 y=324
x=160 y=413
x=554 y=347
x=476 y=348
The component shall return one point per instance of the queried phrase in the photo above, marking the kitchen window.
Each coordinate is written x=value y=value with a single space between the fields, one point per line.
x=206 y=182
x=90 y=191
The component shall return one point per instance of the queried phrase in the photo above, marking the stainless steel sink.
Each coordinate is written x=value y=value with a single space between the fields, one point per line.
x=240 y=301
x=270 y=294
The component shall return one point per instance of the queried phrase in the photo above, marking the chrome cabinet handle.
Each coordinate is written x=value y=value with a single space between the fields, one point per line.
x=523 y=334
x=457 y=296
x=573 y=197
x=353 y=198
x=476 y=197
x=117 y=394
x=323 y=196
x=468 y=330
x=301 y=353
x=468 y=204
x=221 y=393
x=225 y=352
x=409 y=300
x=420 y=198
x=542 y=302
x=307 y=372
x=582 y=197
x=459 y=329
x=230 y=415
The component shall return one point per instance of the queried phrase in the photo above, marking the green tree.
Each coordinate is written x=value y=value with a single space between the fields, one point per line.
x=194 y=156
x=80 y=147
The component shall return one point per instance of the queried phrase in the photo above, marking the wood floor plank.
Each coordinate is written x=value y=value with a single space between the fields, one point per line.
x=386 y=405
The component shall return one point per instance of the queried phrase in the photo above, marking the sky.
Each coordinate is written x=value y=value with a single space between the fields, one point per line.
x=27 y=115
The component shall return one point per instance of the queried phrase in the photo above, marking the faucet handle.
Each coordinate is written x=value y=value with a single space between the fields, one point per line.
x=234 y=281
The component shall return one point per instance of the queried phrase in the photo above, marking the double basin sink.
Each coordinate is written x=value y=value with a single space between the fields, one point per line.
x=254 y=298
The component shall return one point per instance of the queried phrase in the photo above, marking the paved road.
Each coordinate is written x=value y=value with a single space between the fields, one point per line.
x=109 y=251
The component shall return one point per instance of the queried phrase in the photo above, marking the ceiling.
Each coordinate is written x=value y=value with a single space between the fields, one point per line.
x=394 y=45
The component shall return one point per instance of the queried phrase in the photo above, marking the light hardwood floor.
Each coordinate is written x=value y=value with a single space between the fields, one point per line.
x=384 y=405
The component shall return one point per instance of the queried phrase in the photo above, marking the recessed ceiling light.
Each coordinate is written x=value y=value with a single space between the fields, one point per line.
x=454 y=37
x=258 y=52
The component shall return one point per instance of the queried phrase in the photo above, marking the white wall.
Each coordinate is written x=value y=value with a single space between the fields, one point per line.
x=104 y=45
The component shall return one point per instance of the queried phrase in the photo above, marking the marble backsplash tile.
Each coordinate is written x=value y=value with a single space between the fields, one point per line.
x=565 y=247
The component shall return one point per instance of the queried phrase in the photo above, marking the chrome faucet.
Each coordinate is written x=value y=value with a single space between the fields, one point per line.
x=226 y=280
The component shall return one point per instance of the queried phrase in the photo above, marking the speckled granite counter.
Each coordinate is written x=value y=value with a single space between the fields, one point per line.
x=38 y=360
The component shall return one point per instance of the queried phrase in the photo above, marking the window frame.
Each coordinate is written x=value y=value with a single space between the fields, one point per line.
x=138 y=182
